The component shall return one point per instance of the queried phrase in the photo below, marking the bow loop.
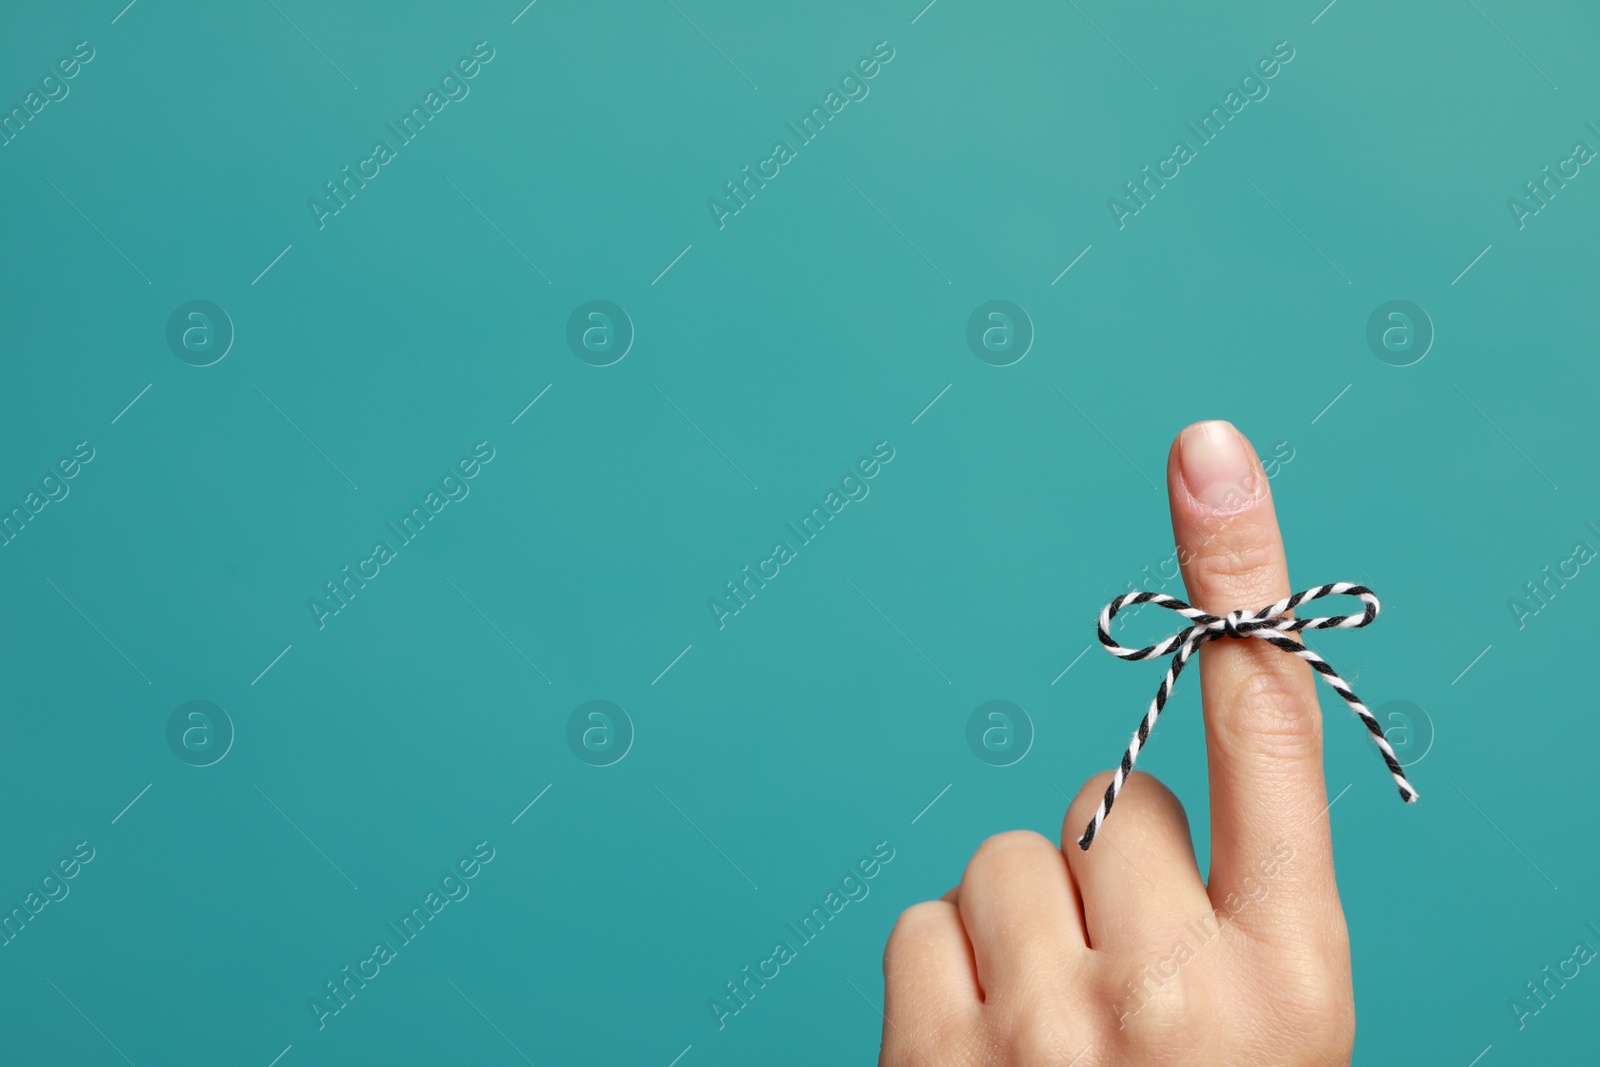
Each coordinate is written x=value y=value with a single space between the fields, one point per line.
x=1271 y=624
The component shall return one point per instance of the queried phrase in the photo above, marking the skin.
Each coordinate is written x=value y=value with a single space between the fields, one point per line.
x=1123 y=956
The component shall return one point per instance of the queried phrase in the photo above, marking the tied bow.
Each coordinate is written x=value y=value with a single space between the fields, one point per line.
x=1270 y=624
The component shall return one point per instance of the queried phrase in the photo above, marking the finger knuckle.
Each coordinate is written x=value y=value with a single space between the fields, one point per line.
x=1231 y=569
x=1272 y=707
x=1141 y=790
x=1038 y=1031
x=1009 y=851
x=915 y=1029
x=1090 y=794
x=1162 y=1016
x=913 y=930
x=1316 y=1003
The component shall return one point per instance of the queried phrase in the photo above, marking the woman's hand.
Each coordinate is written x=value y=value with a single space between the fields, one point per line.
x=1122 y=954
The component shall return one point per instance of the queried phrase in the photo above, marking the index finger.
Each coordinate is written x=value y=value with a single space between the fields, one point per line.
x=1263 y=723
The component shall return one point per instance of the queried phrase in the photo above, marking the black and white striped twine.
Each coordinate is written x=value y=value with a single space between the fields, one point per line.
x=1270 y=624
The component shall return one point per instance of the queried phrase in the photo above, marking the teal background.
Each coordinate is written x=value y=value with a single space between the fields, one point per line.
x=806 y=330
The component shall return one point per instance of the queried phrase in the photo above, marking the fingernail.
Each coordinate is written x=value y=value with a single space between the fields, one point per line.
x=1217 y=466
